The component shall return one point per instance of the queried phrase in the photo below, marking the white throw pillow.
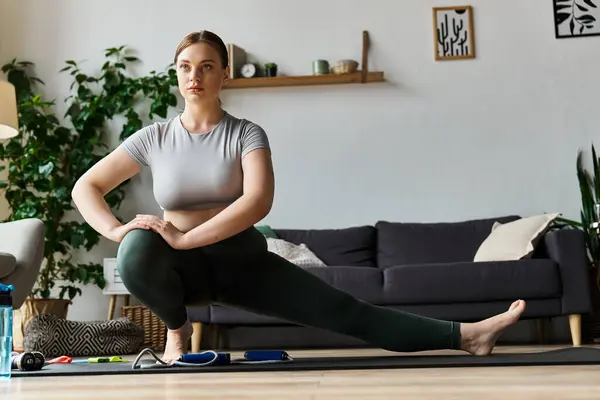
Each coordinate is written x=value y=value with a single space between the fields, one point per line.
x=514 y=240
x=300 y=254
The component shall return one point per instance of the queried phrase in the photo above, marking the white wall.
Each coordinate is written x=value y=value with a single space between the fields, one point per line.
x=438 y=141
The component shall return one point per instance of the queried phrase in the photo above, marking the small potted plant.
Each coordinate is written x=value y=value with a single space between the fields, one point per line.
x=271 y=69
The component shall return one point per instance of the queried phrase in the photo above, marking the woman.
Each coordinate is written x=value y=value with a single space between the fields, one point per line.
x=213 y=178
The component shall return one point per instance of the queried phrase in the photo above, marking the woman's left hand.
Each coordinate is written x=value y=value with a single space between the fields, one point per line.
x=172 y=235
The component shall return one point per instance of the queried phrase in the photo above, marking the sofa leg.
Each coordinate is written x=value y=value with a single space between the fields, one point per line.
x=215 y=332
x=196 y=336
x=575 y=325
x=541 y=331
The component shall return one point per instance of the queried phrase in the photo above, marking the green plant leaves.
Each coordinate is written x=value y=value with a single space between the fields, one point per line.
x=50 y=155
x=46 y=169
x=589 y=188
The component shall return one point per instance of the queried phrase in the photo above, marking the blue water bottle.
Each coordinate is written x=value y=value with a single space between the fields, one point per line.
x=6 y=329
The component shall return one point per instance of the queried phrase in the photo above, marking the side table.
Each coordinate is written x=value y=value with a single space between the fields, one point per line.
x=114 y=286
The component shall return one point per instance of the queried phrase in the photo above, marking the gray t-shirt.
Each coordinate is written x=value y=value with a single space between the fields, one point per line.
x=195 y=171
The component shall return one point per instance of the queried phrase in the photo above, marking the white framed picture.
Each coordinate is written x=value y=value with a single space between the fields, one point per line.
x=114 y=284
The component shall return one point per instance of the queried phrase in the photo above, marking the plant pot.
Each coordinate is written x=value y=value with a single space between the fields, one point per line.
x=271 y=71
x=32 y=308
x=590 y=323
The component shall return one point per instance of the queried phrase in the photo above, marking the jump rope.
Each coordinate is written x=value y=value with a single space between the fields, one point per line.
x=35 y=361
x=210 y=357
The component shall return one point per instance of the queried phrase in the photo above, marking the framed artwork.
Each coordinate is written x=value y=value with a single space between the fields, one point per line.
x=576 y=18
x=453 y=33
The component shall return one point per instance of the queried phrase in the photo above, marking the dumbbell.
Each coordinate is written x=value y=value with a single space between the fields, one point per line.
x=27 y=361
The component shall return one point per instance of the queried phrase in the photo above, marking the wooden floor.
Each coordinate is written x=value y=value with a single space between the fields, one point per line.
x=556 y=382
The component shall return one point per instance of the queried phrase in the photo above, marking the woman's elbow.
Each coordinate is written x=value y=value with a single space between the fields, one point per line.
x=76 y=191
x=266 y=209
x=80 y=190
x=263 y=205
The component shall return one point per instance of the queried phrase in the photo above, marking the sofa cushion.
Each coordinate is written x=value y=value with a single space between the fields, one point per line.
x=225 y=315
x=471 y=282
x=298 y=254
x=363 y=283
x=199 y=313
x=514 y=240
x=406 y=243
x=354 y=246
x=475 y=311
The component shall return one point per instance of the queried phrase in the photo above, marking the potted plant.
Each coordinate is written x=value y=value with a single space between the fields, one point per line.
x=271 y=69
x=50 y=155
x=589 y=189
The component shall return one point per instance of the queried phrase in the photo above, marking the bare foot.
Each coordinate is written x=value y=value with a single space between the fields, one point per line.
x=480 y=338
x=177 y=341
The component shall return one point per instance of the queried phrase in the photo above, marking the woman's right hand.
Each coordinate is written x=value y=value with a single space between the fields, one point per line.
x=118 y=232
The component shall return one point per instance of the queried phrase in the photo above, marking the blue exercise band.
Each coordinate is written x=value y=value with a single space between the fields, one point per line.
x=210 y=357
x=266 y=355
x=202 y=358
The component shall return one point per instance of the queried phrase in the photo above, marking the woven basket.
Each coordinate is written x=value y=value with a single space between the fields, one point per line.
x=155 y=331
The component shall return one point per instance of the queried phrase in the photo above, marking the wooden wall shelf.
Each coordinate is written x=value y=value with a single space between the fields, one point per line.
x=362 y=76
x=329 y=79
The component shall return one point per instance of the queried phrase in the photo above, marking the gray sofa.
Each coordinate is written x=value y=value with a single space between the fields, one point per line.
x=425 y=268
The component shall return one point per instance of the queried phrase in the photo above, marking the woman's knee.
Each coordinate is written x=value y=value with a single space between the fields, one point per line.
x=138 y=250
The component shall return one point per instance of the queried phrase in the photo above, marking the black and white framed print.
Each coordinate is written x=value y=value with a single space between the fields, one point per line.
x=576 y=18
x=453 y=33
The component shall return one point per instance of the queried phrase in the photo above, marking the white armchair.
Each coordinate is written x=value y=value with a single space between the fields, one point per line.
x=22 y=244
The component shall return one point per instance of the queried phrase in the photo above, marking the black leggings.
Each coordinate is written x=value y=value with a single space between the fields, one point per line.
x=240 y=272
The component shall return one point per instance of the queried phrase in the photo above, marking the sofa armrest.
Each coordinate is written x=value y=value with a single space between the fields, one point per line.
x=25 y=240
x=8 y=263
x=567 y=248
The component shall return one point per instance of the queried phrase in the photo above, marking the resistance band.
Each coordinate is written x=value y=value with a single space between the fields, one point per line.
x=210 y=357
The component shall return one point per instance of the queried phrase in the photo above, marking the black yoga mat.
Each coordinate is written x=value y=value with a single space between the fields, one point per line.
x=566 y=356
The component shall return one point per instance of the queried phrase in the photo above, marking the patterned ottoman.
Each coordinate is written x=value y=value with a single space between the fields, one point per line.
x=53 y=337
